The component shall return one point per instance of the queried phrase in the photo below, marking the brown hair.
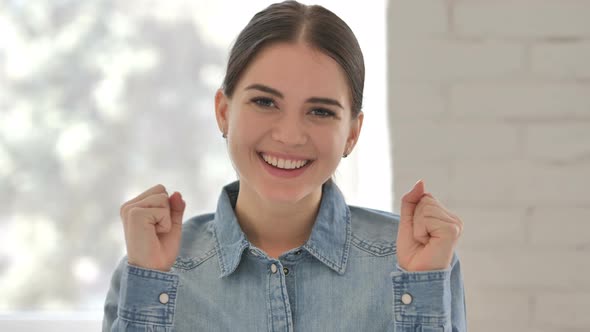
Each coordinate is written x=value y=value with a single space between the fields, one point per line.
x=289 y=21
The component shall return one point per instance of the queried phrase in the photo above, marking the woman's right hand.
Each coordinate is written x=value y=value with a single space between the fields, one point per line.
x=152 y=223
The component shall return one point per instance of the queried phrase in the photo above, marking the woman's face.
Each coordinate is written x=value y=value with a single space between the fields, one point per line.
x=291 y=107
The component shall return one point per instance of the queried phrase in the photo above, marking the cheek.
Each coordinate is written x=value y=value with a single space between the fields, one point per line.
x=330 y=143
x=240 y=124
x=245 y=131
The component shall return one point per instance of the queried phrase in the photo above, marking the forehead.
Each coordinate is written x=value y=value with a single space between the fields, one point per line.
x=298 y=71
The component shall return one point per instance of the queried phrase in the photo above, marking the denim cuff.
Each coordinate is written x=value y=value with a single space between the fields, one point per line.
x=422 y=299
x=147 y=296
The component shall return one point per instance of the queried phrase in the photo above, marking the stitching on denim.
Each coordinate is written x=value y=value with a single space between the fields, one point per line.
x=323 y=258
x=421 y=277
x=373 y=248
x=269 y=306
x=285 y=298
x=219 y=254
x=151 y=274
x=344 y=258
x=398 y=290
x=143 y=319
x=163 y=316
x=188 y=263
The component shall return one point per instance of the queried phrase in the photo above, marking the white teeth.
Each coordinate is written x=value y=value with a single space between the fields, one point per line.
x=284 y=163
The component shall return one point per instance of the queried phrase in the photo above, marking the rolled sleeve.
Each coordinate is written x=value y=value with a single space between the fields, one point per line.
x=429 y=300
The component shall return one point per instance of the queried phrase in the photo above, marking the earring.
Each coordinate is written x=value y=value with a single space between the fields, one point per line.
x=224 y=135
x=346 y=152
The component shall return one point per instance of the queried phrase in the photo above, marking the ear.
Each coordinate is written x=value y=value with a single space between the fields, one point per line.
x=355 y=130
x=221 y=110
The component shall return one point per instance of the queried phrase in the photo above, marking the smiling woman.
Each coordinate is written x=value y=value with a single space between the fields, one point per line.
x=288 y=128
x=284 y=251
x=85 y=85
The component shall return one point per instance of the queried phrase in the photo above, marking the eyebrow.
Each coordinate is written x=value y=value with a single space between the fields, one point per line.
x=274 y=92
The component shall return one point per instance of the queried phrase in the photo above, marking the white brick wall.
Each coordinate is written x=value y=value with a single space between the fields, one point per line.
x=490 y=104
x=523 y=19
x=562 y=309
x=562 y=59
x=529 y=99
x=572 y=225
x=545 y=141
x=447 y=60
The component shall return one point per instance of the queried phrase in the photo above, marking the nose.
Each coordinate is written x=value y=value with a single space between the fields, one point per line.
x=289 y=130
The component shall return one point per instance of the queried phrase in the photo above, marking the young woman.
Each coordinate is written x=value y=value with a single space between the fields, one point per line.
x=283 y=251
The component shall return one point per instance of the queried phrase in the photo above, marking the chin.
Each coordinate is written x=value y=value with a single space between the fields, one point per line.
x=282 y=194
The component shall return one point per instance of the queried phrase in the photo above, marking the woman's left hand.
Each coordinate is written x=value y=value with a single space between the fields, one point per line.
x=428 y=232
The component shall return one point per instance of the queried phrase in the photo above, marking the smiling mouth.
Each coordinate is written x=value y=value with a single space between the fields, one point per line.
x=284 y=164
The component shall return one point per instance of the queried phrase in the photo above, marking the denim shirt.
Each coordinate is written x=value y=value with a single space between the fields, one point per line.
x=344 y=278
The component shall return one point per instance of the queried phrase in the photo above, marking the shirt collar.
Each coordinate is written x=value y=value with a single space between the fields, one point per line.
x=329 y=241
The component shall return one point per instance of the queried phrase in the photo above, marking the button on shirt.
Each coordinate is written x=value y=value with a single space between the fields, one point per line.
x=344 y=278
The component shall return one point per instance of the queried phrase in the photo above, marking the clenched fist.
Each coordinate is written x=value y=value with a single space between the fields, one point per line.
x=152 y=223
x=428 y=232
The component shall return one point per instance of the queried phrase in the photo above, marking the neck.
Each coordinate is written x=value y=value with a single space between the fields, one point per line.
x=276 y=227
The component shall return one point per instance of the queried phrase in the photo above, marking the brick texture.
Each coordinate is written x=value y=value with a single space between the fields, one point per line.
x=489 y=103
x=525 y=19
x=567 y=60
